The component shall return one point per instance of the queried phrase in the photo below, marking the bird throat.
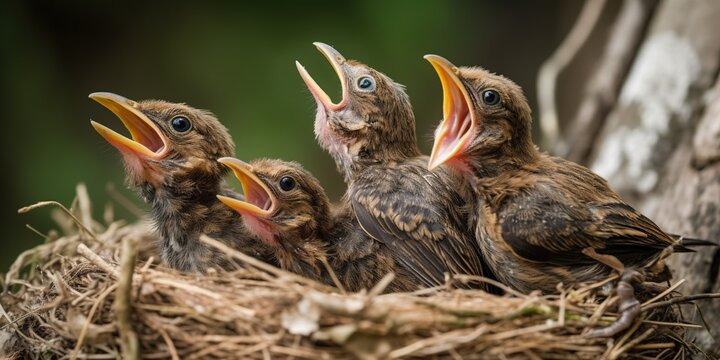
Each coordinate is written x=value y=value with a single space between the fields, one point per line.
x=142 y=171
x=260 y=228
x=181 y=206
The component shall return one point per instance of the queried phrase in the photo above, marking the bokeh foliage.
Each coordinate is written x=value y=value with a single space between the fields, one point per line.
x=234 y=58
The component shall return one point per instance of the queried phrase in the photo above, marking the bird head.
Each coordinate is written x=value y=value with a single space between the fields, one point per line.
x=484 y=114
x=283 y=202
x=373 y=120
x=167 y=140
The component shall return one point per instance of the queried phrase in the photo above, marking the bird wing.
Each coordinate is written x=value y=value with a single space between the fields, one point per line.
x=544 y=228
x=411 y=211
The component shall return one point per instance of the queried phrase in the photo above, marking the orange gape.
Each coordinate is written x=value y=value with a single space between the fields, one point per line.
x=170 y=159
x=419 y=216
x=286 y=207
x=540 y=220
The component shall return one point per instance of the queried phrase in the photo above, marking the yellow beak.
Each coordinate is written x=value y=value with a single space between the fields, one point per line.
x=147 y=141
x=459 y=120
x=337 y=61
x=259 y=199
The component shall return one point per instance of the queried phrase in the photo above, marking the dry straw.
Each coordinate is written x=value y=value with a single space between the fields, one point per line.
x=83 y=295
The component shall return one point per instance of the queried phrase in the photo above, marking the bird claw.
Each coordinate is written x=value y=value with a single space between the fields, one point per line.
x=628 y=308
x=628 y=312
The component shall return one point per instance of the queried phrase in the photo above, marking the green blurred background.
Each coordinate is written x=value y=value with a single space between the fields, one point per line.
x=234 y=59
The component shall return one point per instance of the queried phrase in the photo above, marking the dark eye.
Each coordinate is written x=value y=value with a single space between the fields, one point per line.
x=366 y=83
x=180 y=124
x=490 y=97
x=287 y=183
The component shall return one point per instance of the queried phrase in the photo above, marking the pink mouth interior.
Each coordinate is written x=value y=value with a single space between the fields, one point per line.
x=257 y=196
x=459 y=127
x=148 y=137
x=459 y=123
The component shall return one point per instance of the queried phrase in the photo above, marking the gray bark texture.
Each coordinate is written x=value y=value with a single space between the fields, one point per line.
x=660 y=144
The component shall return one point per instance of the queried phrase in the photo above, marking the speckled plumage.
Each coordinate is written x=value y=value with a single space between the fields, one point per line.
x=538 y=218
x=304 y=228
x=541 y=220
x=181 y=189
x=537 y=212
x=420 y=216
x=358 y=260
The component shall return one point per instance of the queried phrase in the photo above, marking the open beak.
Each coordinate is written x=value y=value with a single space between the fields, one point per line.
x=336 y=60
x=147 y=139
x=459 y=119
x=259 y=200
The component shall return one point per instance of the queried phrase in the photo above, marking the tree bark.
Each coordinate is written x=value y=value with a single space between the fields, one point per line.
x=603 y=87
x=660 y=144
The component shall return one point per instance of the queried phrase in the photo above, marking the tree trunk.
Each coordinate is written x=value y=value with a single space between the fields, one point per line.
x=660 y=145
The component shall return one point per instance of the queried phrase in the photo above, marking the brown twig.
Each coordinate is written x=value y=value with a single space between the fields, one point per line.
x=332 y=274
x=168 y=341
x=77 y=221
x=88 y=321
x=240 y=313
x=558 y=61
x=636 y=340
x=665 y=323
x=381 y=285
x=664 y=293
x=681 y=299
x=94 y=258
x=602 y=89
x=123 y=301
x=261 y=265
x=36 y=231
x=84 y=205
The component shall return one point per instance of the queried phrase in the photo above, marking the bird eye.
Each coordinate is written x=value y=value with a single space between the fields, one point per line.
x=366 y=83
x=287 y=183
x=490 y=97
x=180 y=124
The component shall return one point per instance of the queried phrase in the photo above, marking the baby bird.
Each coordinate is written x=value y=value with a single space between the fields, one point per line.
x=171 y=160
x=420 y=216
x=286 y=207
x=542 y=220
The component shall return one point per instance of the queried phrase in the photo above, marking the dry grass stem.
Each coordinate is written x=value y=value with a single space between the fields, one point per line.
x=76 y=297
x=123 y=301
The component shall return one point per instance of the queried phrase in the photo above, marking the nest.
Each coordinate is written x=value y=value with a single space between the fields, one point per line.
x=98 y=292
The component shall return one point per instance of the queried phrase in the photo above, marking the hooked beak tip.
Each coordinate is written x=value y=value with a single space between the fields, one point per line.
x=336 y=61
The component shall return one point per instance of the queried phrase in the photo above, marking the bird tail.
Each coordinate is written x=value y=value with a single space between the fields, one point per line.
x=685 y=244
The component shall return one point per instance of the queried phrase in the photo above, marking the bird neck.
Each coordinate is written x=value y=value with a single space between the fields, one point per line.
x=182 y=206
x=395 y=152
x=301 y=255
x=489 y=164
x=386 y=136
x=369 y=155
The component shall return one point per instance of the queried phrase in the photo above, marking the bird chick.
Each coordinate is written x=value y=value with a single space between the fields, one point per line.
x=170 y=159
x=286 y=207
x=417 y=214
x=542 y=220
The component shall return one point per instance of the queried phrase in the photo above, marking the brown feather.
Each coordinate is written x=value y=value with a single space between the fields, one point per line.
x=307 y=229
x=181 y=190
x=420 y=217
x=536 y=214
